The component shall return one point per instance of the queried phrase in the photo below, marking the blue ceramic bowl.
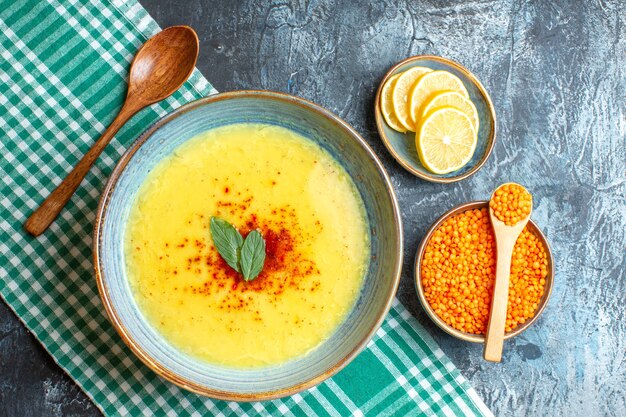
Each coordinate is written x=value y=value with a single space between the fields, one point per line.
x=380 y=283
x=402 y=145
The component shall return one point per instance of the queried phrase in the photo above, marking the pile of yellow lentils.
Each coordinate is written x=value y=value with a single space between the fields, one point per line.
x=459 y=265
x=511 y=203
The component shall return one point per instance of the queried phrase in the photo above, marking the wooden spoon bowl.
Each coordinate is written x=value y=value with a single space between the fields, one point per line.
x=152 y=76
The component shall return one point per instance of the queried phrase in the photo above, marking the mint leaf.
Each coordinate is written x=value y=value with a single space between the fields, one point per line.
x=227 y=240
x=252 y=255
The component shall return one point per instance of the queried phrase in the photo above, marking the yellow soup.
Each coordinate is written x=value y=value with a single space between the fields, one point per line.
x=256 y=177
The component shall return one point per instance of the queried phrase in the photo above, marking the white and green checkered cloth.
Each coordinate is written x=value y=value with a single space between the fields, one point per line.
x=62 y=80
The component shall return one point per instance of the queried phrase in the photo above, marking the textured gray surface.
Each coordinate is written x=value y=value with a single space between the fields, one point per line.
x=555 y=71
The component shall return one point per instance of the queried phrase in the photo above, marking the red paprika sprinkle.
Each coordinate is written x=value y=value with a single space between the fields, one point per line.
x=286 y=265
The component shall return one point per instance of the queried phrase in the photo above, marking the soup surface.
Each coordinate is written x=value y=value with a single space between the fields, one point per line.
x=256 y=177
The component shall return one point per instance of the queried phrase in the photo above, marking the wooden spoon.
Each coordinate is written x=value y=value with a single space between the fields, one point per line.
x=161 y=66
x=506 y=236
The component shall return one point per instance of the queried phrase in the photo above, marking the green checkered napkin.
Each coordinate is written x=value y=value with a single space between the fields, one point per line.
x=62 y=80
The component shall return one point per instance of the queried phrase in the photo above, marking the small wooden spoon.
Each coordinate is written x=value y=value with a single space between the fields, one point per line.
x=506 y=236
x=161 y=67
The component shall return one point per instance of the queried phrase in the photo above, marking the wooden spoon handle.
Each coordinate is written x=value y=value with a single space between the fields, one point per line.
x=41 y=218
x=494 y=338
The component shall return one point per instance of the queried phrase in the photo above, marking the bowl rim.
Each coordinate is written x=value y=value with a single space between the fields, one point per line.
x=491 y=140
x=470 y=337
x=101 y=214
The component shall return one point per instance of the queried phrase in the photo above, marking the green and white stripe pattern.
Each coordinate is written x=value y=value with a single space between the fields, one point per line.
x=62 y=79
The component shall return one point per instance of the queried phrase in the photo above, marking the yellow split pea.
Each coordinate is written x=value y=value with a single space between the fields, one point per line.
x=511 y=203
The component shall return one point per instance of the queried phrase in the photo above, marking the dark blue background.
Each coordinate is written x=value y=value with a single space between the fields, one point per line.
x=555 y=71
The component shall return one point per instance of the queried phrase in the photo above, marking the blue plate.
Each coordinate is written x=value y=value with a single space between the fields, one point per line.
x=380 y=282
x=402 y=145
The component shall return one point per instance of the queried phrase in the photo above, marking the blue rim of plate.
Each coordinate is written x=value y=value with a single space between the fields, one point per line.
x=406 y=156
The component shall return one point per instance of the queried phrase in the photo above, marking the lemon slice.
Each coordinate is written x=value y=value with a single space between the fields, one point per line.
x=386 y=104
x=446 y=140
x=427 y=86
x=452 y=99
x=400 y=93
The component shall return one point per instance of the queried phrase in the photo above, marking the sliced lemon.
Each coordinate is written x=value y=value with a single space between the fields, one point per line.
x=446 y=140
x=427 y=86
x=400 y=93
x=452 y=99
x=386 y=104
